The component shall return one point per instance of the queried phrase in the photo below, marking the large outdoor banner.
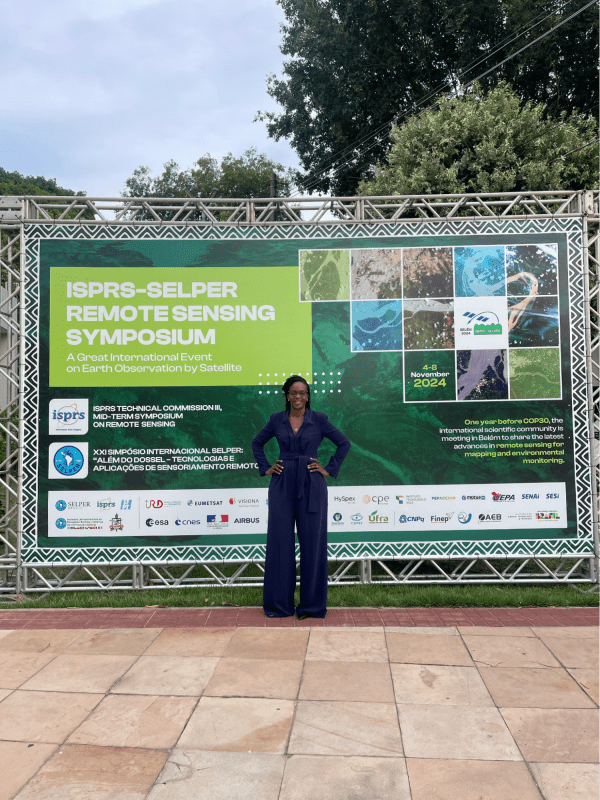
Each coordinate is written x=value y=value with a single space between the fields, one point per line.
x=450 y=353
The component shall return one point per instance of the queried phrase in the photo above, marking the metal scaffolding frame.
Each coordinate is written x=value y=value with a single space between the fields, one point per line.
x=16 y=212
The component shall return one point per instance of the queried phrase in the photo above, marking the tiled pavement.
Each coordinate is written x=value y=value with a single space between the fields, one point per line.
x=498 y=708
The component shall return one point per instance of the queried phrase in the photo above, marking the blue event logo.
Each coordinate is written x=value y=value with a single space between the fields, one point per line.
x=60 y=505
x=68 y=460
x=61 y=523
x=337 y=516
x=463 y=517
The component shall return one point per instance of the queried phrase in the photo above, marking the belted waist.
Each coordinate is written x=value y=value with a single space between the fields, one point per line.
x=303 y=481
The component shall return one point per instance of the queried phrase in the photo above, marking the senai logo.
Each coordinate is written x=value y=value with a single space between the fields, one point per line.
x=68 y=417
x=484 y=324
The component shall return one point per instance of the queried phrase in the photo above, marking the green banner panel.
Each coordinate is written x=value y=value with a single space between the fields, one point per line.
x=451 y=353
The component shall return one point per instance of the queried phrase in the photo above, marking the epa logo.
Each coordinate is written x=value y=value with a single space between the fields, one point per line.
x=69 y=417
x=68 y=460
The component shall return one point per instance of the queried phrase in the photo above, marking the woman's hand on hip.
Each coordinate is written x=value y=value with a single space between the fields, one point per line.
x=315 y=466
x=276 y=469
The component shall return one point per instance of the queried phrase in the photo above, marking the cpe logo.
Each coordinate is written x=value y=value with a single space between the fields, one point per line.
x=68 y=417
x=68 y=460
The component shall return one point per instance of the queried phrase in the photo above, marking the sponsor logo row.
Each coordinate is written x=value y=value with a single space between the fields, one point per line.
x=409 y=499
x=378 y=517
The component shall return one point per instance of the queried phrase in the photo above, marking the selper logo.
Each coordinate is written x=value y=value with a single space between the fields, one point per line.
x=442 y=518
x=68 y=460
x=374 y=517
x=68 y=416
x=503 y=498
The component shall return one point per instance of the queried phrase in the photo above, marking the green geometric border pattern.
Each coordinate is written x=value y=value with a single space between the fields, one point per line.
x=582 y=545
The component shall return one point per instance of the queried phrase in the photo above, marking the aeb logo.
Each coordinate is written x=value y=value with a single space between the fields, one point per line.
x=490 y=517
x=69 y=417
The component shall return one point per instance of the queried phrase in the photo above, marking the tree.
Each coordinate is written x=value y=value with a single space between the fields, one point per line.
x=14 y=184
x=248 y=175
x=487 y=142
x=356 y=66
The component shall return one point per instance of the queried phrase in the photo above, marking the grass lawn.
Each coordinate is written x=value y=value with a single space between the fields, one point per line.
x=373 y=596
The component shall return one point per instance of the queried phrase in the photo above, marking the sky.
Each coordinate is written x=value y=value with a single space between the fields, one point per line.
x=93 y=89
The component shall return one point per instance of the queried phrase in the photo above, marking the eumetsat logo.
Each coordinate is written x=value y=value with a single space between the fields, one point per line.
x=503 y=498
x=208 y=503
x=403 y=519
x=376 y=518
x=442 y=518
x=546 y=516
x=69 y=417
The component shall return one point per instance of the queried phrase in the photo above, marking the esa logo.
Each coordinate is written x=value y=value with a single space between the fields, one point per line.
x=490 y=517
x=68 y=460
x=152 y=522
x=68 y=417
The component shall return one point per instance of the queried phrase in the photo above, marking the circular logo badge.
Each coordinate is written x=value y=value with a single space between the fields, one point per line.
x=61 y=523
x=366 y=498
x=232 y=501
x=60 y=505
x=190 y=502
x=337 y=516
x=402 y=518
x=463 y=517
x=68 y=460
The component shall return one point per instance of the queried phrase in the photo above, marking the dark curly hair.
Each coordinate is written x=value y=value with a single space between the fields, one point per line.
x=286 y=388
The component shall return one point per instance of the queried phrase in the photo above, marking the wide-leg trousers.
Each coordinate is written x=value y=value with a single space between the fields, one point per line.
x=286 y=509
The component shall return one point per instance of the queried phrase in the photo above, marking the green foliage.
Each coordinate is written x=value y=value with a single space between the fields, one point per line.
x=13 y=183
x=356 y=65
x=487 y=142
x=248 y=175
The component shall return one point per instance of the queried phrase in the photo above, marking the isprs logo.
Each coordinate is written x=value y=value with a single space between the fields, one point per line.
x=69 y=417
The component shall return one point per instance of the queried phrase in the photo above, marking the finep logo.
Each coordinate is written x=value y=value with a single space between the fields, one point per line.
x=70 y=417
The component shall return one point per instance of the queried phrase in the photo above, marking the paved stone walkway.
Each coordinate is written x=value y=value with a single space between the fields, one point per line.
x=324 y=712
x=158 y=617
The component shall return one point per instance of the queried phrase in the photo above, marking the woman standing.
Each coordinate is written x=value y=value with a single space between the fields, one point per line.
x=297 y=495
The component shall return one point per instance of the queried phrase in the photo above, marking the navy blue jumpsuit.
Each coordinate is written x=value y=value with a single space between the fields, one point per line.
x=297 y=496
